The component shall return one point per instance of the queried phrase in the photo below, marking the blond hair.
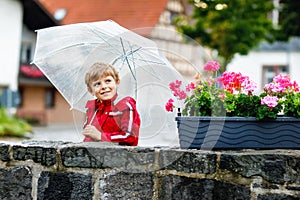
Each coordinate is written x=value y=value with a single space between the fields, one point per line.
x=100 y=70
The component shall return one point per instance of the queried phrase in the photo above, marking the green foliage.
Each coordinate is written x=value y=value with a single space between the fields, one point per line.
x=241 y=105
x=292 y=105
x=209 y=102
x=206 y=101
x=265 y=112
x=289 y=19
x=12 y=126
x=232 y=94
x=236 y=28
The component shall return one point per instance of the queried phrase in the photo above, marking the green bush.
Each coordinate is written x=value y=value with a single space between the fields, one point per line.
x=12 y=126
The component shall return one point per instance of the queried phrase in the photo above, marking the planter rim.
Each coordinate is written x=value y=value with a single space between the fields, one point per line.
x=209 y=118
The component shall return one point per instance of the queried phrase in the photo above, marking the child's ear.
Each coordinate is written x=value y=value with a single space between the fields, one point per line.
x=90 y=90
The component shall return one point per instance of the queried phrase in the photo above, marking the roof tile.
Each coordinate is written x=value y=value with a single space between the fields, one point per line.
x=131 y=14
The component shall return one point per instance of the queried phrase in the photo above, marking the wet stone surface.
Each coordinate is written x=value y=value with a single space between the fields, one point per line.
x=184 y=188
x=64 y=186
x=182 y=161
x=4 y=152
x=277 y=197
x=127 y=186
x=58 y=170
x=45 y=156
x=16 y=183
x=274 y=168
x=106 y=157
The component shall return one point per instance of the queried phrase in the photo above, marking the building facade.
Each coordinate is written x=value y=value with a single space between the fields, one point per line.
x=24 y=90
x=269 y=60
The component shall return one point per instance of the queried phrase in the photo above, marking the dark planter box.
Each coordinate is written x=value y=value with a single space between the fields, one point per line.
x=238 y=133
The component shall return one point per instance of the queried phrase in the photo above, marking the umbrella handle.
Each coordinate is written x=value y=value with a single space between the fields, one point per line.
x=92 y=119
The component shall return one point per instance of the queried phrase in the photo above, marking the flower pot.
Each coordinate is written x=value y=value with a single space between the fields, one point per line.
x=238 y=133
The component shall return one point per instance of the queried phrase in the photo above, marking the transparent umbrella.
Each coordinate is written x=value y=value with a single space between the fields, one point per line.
x=64 y=53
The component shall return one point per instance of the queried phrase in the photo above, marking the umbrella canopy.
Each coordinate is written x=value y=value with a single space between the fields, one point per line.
x=64 y=53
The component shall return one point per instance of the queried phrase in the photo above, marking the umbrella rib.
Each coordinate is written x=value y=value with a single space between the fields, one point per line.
x=134 y=65
x=103 y=39
x=127 y=58
x=146 y=61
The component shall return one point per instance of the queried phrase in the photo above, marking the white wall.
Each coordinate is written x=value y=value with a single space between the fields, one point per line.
x=11 y=14
x=251 y=64
x=294 y=60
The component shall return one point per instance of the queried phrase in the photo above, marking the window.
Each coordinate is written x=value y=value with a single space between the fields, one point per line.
x=9 y=98
x=270 y=71
x=2 y=97
x=49 y=97
x=173 y=15
x=174 y=8
x=21 y=91
x=26 y=53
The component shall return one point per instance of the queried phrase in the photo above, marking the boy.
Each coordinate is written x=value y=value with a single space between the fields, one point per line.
x=109 y=119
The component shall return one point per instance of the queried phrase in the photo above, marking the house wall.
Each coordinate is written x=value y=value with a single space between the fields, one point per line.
x=33 y=106
x=295 y=66
x=251 y=64
x=186 y=55
x=10 y=37
x=61 y=113
x=33 y=98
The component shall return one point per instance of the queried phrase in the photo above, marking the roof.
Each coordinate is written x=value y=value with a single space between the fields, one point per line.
x=292 y=45
x=130 y=14
x=35 y=17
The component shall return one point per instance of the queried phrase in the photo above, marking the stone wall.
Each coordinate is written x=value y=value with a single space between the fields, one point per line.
x=57 y=170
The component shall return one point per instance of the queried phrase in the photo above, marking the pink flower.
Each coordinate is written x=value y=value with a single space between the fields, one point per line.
x=295 y=86
x=283 y=80
x=274 y=87
x=175 y=85
x=170 y=105
x=248 y=85
x=190 y=87
x=235 y=82
x=182 y=95
x=177 y=92
x=211 y=66
x=282 y=83
x=270 y=101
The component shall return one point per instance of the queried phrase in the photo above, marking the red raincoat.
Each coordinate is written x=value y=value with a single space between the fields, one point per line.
x=118 y=122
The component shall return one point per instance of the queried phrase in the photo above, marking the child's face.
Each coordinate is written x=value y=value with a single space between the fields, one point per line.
x=104 y=88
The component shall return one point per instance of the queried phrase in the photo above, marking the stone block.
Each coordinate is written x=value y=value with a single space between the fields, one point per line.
x=188 y=161
x=185 y=188
x=4 y=152
x=295 y=188
x=94 y=155
x=277 y=197
x=274 y=167
x=39 y=152
x=125 y=185
x=65 y=185
x=15 y=183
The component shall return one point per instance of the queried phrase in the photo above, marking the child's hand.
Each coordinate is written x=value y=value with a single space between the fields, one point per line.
x=92 y=132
